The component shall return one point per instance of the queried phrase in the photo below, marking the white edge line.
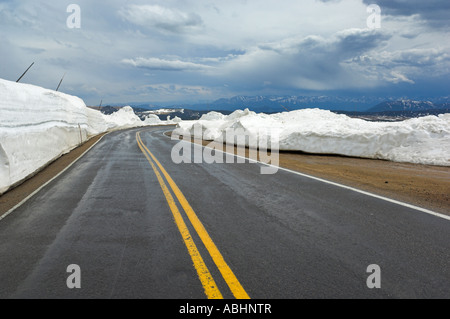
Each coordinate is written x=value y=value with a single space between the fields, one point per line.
x=424 y=210
x=49 y=181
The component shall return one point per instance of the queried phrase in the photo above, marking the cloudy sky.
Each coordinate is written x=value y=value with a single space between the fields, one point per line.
x=202 y=50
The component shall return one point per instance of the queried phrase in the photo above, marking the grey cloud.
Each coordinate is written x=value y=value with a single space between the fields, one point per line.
x=295 y=45
x=313 y=62
x=354 y=58
x=356 y=41
x=434 y=59
x=421 y=57
x=407 y=66
x=165 y=65
x=13 y=15
x=33 y=50
x=342 y=45
x=161 y=18
x=435 y=12
x=410 y=7
x=410 y=35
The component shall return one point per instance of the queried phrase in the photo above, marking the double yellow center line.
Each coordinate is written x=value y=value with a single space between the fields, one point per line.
x=208 y=283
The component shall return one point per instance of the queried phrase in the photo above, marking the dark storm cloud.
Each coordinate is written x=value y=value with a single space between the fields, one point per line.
x=435 y=12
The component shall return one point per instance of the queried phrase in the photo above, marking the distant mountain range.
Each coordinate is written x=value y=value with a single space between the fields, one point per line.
x=408 y=105
x=271 y=104
x=289 y=103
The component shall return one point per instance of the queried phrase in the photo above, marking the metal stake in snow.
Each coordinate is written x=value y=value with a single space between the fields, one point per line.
x=25 y=73
x=60 y=82
x=81 y=136
x=285 y=108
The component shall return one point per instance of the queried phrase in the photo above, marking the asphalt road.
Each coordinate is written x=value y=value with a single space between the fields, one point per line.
x=281 y=236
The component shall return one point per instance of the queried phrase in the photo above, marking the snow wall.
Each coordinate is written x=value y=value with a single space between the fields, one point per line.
x=38 y=125
x=424 y=140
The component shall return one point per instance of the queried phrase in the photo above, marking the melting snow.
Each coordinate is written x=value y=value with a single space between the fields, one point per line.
x=424 y=140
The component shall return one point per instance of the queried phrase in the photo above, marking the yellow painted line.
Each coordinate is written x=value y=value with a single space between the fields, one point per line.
x=208 y=283
x=228 y=275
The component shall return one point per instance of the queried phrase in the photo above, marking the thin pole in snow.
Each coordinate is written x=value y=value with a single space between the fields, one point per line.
x=60 y=82
x=25 y=73
x=81 y=136
x=285 y=108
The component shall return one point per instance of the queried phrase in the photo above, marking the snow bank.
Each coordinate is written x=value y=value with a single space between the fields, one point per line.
x=39 y=125
x=424 y=140
x=124 y=118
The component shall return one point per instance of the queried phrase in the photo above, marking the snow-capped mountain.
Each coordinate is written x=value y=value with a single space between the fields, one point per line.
x=283 y=103
x=408 y=105
x=274 y=104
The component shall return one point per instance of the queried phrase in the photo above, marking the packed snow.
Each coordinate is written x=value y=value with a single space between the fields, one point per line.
x=424 y=140
x=39 y=125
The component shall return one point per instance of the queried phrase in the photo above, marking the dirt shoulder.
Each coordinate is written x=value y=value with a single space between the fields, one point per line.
x=22 y=191
x=425 y=186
